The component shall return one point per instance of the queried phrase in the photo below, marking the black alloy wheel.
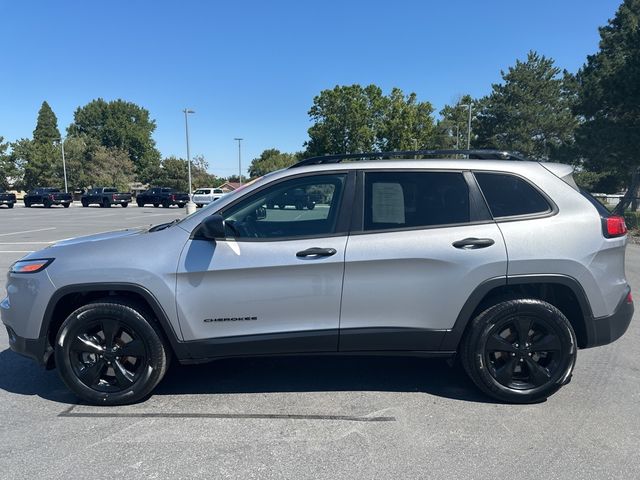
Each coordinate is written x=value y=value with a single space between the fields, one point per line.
x=520 y=350
x=108 y=353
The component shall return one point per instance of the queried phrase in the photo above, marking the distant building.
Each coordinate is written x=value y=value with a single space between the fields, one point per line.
x=230 y=186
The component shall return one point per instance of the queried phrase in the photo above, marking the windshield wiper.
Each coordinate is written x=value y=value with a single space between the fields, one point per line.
x=162 y=226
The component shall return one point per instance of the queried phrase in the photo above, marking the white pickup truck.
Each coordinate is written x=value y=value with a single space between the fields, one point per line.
x=204 y=196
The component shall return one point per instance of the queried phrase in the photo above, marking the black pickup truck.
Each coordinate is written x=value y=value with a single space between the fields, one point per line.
x=297 y=197
x=162 y=196
x=7 y=199
x=105 y=197
x=47 y=197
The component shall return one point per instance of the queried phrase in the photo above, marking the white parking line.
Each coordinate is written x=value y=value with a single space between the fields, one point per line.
x=27 y=231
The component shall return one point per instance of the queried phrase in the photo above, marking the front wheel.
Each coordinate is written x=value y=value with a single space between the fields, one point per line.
x=520 y=351
x=109 y=353
x=47 y=203
x=140 y=204
x=85 y=204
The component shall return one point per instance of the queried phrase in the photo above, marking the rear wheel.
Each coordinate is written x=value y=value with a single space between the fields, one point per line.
x=10 y=205
x=519 y=351
x=311 y=205
x=108 y=353
x=125 y=205
x=181 y=205
x=166 y=204
x=47 y=204
x=156 y=205
x=66 y=205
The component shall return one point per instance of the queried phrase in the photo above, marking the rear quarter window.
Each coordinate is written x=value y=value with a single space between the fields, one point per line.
x=510 y=196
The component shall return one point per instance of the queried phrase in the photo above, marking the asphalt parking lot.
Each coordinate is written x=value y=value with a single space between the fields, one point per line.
x=315 y=417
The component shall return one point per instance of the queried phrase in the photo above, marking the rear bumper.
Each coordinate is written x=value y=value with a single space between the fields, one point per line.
x=605 y=330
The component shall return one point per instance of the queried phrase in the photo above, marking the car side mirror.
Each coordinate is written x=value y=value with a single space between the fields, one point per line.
x=211 y=228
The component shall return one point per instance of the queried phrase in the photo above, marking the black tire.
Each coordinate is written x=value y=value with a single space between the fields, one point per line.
x=106 y=203
x=493 y=356
x=299 y=206
x=9 y=205
x=88 y=361
x=85 y=204
x=156 y=205
x=140 y=204
x=47 y=203
x=124 y=205
x=27 y=205
x=166 y=204
x=66 y=205
x=198 y=205
x=311 y=205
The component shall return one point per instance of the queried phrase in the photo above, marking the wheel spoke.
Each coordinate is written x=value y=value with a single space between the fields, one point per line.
x=123 y=376
x=548 y=343
x=538 y=375
x=90 y=374
x=82 y=344
x=504 y=374
x=495 y=343
x=110 y=328
x=523 y=325
x=134 y=348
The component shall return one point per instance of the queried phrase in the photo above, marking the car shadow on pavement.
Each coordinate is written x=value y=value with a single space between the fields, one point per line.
x=270 y=374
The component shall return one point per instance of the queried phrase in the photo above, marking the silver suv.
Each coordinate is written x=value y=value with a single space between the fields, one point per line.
x=500 y=262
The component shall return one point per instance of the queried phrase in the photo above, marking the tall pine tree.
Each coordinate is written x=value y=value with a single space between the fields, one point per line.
x=47 y=125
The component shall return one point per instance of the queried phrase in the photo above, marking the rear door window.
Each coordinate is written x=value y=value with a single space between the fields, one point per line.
x=398 y=200
x=511 y=196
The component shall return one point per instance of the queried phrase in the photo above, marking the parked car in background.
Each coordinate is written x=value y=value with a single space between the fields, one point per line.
x=164 y=196
x=204 y=196
x=105 y=197
x=8 y=199
x=298 y=198
x=47 y=196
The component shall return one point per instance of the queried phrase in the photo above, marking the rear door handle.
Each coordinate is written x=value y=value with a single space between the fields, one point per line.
x=473 y=243
x=316 y=252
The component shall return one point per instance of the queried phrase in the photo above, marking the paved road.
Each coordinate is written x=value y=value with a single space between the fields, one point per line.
x=303 y=418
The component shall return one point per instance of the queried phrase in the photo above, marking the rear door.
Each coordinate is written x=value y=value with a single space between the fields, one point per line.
x=422 y=242
x=274 y=284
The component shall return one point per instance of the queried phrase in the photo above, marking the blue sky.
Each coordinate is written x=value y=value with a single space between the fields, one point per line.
x=251 y=68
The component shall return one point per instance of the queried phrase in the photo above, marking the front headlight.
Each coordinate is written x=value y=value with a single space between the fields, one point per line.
x=30 y=266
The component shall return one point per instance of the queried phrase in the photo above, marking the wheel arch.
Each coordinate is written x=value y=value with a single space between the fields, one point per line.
x=562 y=291
x=67 y=299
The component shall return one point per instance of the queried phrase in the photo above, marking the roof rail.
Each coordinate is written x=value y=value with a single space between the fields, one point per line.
x=472 y=154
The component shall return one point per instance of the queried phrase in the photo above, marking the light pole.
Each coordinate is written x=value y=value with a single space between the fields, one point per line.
x=64 y=165
x=239 y=140
x=191 y=207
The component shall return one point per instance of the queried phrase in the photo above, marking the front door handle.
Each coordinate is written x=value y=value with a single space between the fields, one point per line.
x=316 y=252
x=473 y=243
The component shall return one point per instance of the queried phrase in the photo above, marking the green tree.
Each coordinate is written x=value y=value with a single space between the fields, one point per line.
x=271 y=160
x=608 y=138
x=122 y=125
x=530 y=112
x=46 y=130
x=346 y=119
x=8 y=169
x=41 y=163
x=109 y=167
x=174 y=173
x=405 y=123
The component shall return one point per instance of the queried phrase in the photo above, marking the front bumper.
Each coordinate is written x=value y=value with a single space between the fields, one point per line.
x=36 y=349
x=605 y=330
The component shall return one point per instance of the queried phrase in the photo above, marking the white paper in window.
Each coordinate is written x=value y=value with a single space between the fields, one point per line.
x=387 y=203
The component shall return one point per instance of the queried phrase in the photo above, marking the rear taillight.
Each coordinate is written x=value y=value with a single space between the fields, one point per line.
x=50 y=197
x=614 y=226
x=113 y=197
x=173 y=198
x=629 y=298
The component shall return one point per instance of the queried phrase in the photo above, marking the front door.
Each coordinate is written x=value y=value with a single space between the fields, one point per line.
x=422 y=247
x=274 y=284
